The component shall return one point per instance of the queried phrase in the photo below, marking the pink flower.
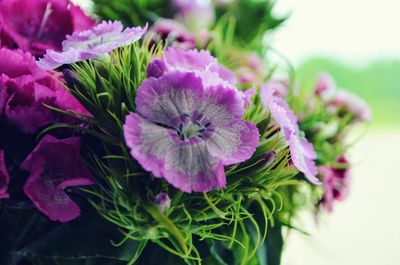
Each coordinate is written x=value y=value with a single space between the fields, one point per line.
x=4 y=177
x=55 y=165
x=341 y=100
x=301 y=151
x=38 y=25
x=335 y=182
x=162 y=201
x=174 y=33
x=25 y=90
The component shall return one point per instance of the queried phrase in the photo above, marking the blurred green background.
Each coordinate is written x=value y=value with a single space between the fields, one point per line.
x=377 y=82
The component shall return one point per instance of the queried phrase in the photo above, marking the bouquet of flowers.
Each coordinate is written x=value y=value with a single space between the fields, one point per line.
x=159 y=132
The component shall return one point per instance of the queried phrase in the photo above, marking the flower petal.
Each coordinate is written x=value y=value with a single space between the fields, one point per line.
x=190 y=167
x=4 y=176
x=234 y=144
x=165 y=99
x=148 y=142
x=48 y=199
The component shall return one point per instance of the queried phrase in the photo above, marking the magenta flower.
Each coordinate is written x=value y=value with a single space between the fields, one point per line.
x=301 y=151
x=55 y=165
x=174 y=33
x=342 y=100
x=38 y=25
x=4 y=177
x=186 y=133
x=91 y=44
x=25 y=90
x=336 y=183
x=162 y=201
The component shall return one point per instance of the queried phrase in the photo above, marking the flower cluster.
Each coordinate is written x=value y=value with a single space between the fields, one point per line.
x=185 y=135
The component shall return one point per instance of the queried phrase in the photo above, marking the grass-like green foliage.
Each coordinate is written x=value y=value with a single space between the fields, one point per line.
x=237 y=216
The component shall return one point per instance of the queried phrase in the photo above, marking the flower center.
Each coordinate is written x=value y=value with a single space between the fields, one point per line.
x=193 y=127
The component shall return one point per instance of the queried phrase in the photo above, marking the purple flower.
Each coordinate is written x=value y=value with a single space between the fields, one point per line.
x=301 y=151
x=91 y=44
x=336 y=183
x=25 y=90
x=38 y=25
x=174 y=33
x=200 y=62
x=341 y=100
x=163 y=201
x=4 y=177
x=55 y=165
x=186 y=132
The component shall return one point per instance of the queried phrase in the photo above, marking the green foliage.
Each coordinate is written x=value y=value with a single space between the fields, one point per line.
x=133 y=12
x=252 y=19
x=125 y=192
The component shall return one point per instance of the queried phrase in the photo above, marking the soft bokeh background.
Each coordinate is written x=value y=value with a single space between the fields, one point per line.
x=357 y=41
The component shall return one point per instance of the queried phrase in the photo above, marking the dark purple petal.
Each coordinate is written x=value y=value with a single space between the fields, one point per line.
x=55 y=165
x=4 y=177
x=156 y=68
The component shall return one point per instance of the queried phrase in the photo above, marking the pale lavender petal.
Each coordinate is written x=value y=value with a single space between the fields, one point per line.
x=4 y=177
x=301 y=151
x=166 y=99
x=247 y=95
x=301 y=159
x=198 y=62
x=148 y=142
x=91 y=44
x=234 y=144
x=190 y=167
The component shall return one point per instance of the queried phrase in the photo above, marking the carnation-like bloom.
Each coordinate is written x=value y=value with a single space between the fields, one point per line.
x=4 y=177
x=25 y=90
x=91 y=44
x=301 y=151
x=186 y=133
x=341 y=99
x=174 y=33
x=37 y=25
x=335 y=182
x=55 y=165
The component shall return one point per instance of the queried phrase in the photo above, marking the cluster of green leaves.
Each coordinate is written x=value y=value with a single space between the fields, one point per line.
x=196 y=225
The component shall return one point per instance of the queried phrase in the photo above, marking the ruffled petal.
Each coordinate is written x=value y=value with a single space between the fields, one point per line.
x=190 y=167
x=53 y=202
x=234 y=144
x=303 y=158
x=148 y=142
